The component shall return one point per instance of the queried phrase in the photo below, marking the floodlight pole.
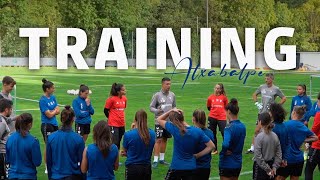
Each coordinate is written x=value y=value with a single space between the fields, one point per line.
x=207 y=13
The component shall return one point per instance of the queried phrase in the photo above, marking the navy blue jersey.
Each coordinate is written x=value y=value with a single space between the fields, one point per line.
x=100 y=167
x=234 y=135
x=137 y=151
x=204 y=161
x=184 y=146
x=300 y=101
x=64 y=153
x=23 y=154
x=282 y=132
x=48 y=104
x=298 y=132
x=82 y=111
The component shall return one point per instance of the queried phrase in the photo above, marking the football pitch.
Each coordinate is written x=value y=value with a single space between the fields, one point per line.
x=141 y=85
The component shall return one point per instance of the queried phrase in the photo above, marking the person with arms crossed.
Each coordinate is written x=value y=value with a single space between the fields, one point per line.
x=49 y=109
x=162 y=102
x=268 y=92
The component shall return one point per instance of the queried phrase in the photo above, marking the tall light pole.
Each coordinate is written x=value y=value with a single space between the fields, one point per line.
x=207 y=13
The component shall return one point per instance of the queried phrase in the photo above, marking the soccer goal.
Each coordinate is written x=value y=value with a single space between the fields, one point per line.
x=314 y=86
x=14 y=97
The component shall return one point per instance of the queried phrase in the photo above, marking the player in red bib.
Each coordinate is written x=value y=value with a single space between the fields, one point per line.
x=216 y=104
x=114 y=111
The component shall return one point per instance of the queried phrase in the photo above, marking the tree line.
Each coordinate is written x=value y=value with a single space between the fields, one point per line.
x=93 y=15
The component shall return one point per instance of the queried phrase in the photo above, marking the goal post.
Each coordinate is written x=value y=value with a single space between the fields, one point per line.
x=314 y=86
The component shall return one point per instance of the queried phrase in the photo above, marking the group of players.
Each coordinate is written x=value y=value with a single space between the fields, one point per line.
x=276 y=145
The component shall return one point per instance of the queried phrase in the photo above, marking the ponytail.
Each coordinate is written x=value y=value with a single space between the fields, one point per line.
x=178 y=120
x=102 y=137
x=142 y=126
x=265 y=120
x=233 y=106
x=67 y=116
x=115 y=89
x=300 y=111
x=46 y=84
x=200 y=118
x=22 y=123
x=304 y=87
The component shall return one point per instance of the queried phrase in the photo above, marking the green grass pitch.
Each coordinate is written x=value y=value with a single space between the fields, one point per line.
x=141 y=85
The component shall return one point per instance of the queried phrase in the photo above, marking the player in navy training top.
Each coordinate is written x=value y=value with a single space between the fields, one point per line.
x=23 y=150
x=138 y=145
x=64 y=150
x=230 y=161
x=185 y=140
x=101 y=158
x=298 y=133
x=203 y=163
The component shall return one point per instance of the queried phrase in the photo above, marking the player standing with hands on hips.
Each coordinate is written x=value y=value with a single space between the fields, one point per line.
x=268 y=92
x=162 y=101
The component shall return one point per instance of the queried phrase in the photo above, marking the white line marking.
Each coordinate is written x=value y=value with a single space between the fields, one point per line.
x=28 y=110
x=26 y=99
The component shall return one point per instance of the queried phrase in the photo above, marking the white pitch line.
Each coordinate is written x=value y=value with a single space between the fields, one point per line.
x=26 y=99
x=28 y=110
x=241 y=174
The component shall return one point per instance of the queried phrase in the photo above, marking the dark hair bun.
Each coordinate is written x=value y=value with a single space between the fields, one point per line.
x=67 y=107
x=234 y=101
x=44 y=80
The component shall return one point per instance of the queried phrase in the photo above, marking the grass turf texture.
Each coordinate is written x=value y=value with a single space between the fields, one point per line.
x=141 y=85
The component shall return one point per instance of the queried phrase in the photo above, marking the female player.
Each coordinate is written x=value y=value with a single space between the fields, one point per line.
x=300 y=100
x=186 y=138
x=23 y=152
x=298 y=133
x=230 y=161
x=314 y=152
x=278 y=115
x=114 y=111
x=102 y=157
x=138 y=145
x=216 y=104
x=203 y=163
x=64 y=150
x=267 y=151
x=83 y=110
x=49 y=109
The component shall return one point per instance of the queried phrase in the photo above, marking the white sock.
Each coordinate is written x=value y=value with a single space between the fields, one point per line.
x=252 y=147
x=155 y=158
x=161 y=156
